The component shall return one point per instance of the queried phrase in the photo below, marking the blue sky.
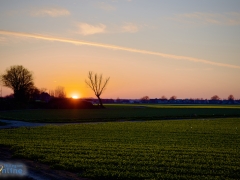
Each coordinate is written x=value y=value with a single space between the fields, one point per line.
x=197 y=45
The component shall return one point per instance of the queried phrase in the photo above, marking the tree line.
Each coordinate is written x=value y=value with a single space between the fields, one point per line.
x=215 y=97
x=20 y=80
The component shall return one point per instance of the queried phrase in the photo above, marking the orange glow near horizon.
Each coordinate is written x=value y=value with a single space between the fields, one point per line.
x=75 y=97
x=185 y=52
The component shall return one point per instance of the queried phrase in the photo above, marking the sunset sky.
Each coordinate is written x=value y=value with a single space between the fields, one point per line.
x=186 y=48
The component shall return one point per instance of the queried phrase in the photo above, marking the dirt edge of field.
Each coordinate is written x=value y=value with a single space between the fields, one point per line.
x=37 y=170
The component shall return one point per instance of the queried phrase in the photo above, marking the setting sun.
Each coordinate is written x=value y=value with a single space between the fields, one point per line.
x=75 y=97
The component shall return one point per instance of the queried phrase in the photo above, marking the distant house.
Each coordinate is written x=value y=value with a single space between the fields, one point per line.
x=131 y=101
x=44 y=97
x=110 y=101
x=144 y=101
x=229 y=101
x=92 y=100
x=125 y=101
x=172 y=101
x=154 y=101
x=215 y=101
x=162 y=101
x=182 y=101
x=237 y=101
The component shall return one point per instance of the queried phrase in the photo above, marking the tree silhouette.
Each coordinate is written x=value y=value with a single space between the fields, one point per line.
x=97 y=84
x=145 y=98
x=215 y=97
x=33 y=93
x=173 y=98
x=164 y=98
x=231 y=97
x=20 y=80
x=60 y=92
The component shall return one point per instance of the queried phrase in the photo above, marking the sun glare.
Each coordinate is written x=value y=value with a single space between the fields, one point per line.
x=75 y=97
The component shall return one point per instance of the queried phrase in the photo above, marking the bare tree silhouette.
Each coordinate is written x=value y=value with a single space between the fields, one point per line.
x=20 y=80
x=60 y=92
x=97 y=84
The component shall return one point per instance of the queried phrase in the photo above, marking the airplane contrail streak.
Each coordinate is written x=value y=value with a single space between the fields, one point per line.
x=108 y=46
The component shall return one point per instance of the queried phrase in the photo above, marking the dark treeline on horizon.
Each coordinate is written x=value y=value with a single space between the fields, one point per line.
x=167 y=101
x=27 y=95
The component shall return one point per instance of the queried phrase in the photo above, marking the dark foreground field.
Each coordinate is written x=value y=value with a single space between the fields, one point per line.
x=3 y=123
x=189 y=149
x=124 y=112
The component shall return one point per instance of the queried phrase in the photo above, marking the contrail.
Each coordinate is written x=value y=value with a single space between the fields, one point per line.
x=108 y=46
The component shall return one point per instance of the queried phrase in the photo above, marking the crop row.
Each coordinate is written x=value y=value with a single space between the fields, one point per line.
x=189 y=149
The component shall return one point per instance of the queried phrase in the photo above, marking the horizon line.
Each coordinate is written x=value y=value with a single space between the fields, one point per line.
x=109 y=46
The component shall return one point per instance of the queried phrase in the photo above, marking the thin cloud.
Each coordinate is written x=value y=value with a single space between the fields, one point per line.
x=105 y=6
x=108 y=46
x=2 y=39
x=130 y=27
x=88 y=29
x=230 y=18
x=194 y=69
x=52 y=12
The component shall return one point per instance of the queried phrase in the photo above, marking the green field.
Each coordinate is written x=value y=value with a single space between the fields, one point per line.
x=121 y=112
x=189 y=149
